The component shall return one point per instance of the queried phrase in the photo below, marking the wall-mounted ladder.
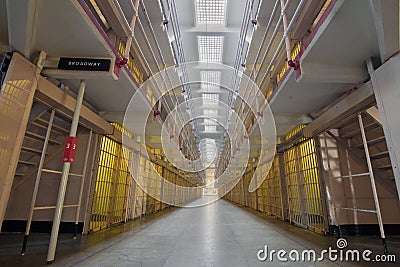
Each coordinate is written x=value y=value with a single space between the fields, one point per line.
x=364 y=134
x=35 y=137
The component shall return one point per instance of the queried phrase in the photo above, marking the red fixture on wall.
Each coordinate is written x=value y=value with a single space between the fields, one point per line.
x=294 y=64
x=121 y=62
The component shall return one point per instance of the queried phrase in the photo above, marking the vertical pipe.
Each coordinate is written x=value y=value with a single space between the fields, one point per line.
x=92 y=184
x=285 y=30
x=132 y=26
x=129 y=159
x=64 y=179
x=330 y=200
x=175 y=185
x=78 y=208
x=373 y=185
x=298 y=156
x=162 y=188
x=350 y=174
x=283 y=186
x=322 y=182
x=115 y=184
x=37 y=182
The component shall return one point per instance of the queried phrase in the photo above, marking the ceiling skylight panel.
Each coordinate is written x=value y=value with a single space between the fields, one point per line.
x=210 y=11
x=210 y=48
x=210 y=128
x=210 y=79
x=210 y=98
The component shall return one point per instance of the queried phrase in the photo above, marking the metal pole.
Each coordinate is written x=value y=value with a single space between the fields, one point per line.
x=350 y=176
x=82 y=183
x=64 y=179
x=372 y=178
x=37 y=182
x=285 y=29
x=92 y=184
x=129 y=164
x=330 y=200
x=132 y=26
x=162 y=188
x=174 y=178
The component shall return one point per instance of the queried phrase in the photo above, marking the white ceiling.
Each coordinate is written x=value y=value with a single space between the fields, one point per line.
x=63 y=29
x=191 y=32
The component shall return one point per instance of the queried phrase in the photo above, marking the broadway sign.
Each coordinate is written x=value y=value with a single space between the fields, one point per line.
x=84 y=64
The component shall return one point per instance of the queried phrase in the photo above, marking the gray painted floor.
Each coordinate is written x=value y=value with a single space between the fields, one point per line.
x=219 y=234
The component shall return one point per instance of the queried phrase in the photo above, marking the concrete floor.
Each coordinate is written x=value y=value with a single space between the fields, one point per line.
x=219 y=234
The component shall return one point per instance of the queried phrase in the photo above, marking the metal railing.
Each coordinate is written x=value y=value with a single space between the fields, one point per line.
x=261 y=76
x=131 y=64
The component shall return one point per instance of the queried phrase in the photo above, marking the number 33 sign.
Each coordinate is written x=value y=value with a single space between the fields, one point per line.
x=70 y=149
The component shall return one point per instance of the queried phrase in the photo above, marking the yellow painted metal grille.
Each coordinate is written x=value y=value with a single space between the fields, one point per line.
x=293 y=186
x=319 y=16
x=309 y=171
x=104 y=184
x=121 y=185
x=132 y=66
x=294 y=194
x=121 y=128
x=252 y=196
x=139 y=198
x=303 y=187
x=270 y=200
x=285 y=67
x=112 y=183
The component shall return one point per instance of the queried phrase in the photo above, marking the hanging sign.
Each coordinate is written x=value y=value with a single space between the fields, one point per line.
x=70 y=149
x=84 y=64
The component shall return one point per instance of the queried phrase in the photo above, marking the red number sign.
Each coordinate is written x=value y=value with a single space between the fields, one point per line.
x=70 y=149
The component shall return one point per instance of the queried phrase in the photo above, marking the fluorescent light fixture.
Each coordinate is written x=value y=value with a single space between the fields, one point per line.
x=210 y=11
x=210 y=48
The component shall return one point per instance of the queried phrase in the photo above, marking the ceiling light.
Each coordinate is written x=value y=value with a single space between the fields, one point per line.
x=210 y=128
x=210 y=79
x=210 y=48
x=210 y=112
x=210 y=11
x=210 y=98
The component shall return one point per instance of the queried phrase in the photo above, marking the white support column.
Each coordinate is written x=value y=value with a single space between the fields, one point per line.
x=64 y=178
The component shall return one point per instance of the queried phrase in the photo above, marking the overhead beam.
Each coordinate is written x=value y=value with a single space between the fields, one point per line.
x=115 y=17
x=51 y=94
x=21 y=25
x=374 y=113
x=320 y=72
x=355 y=102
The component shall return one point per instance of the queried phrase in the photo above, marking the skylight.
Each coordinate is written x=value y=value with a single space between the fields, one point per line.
x=210 y=11
x=210 y=48
x=210 y=98
x=210 y=128
x=210 y=112
x=210 y=79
